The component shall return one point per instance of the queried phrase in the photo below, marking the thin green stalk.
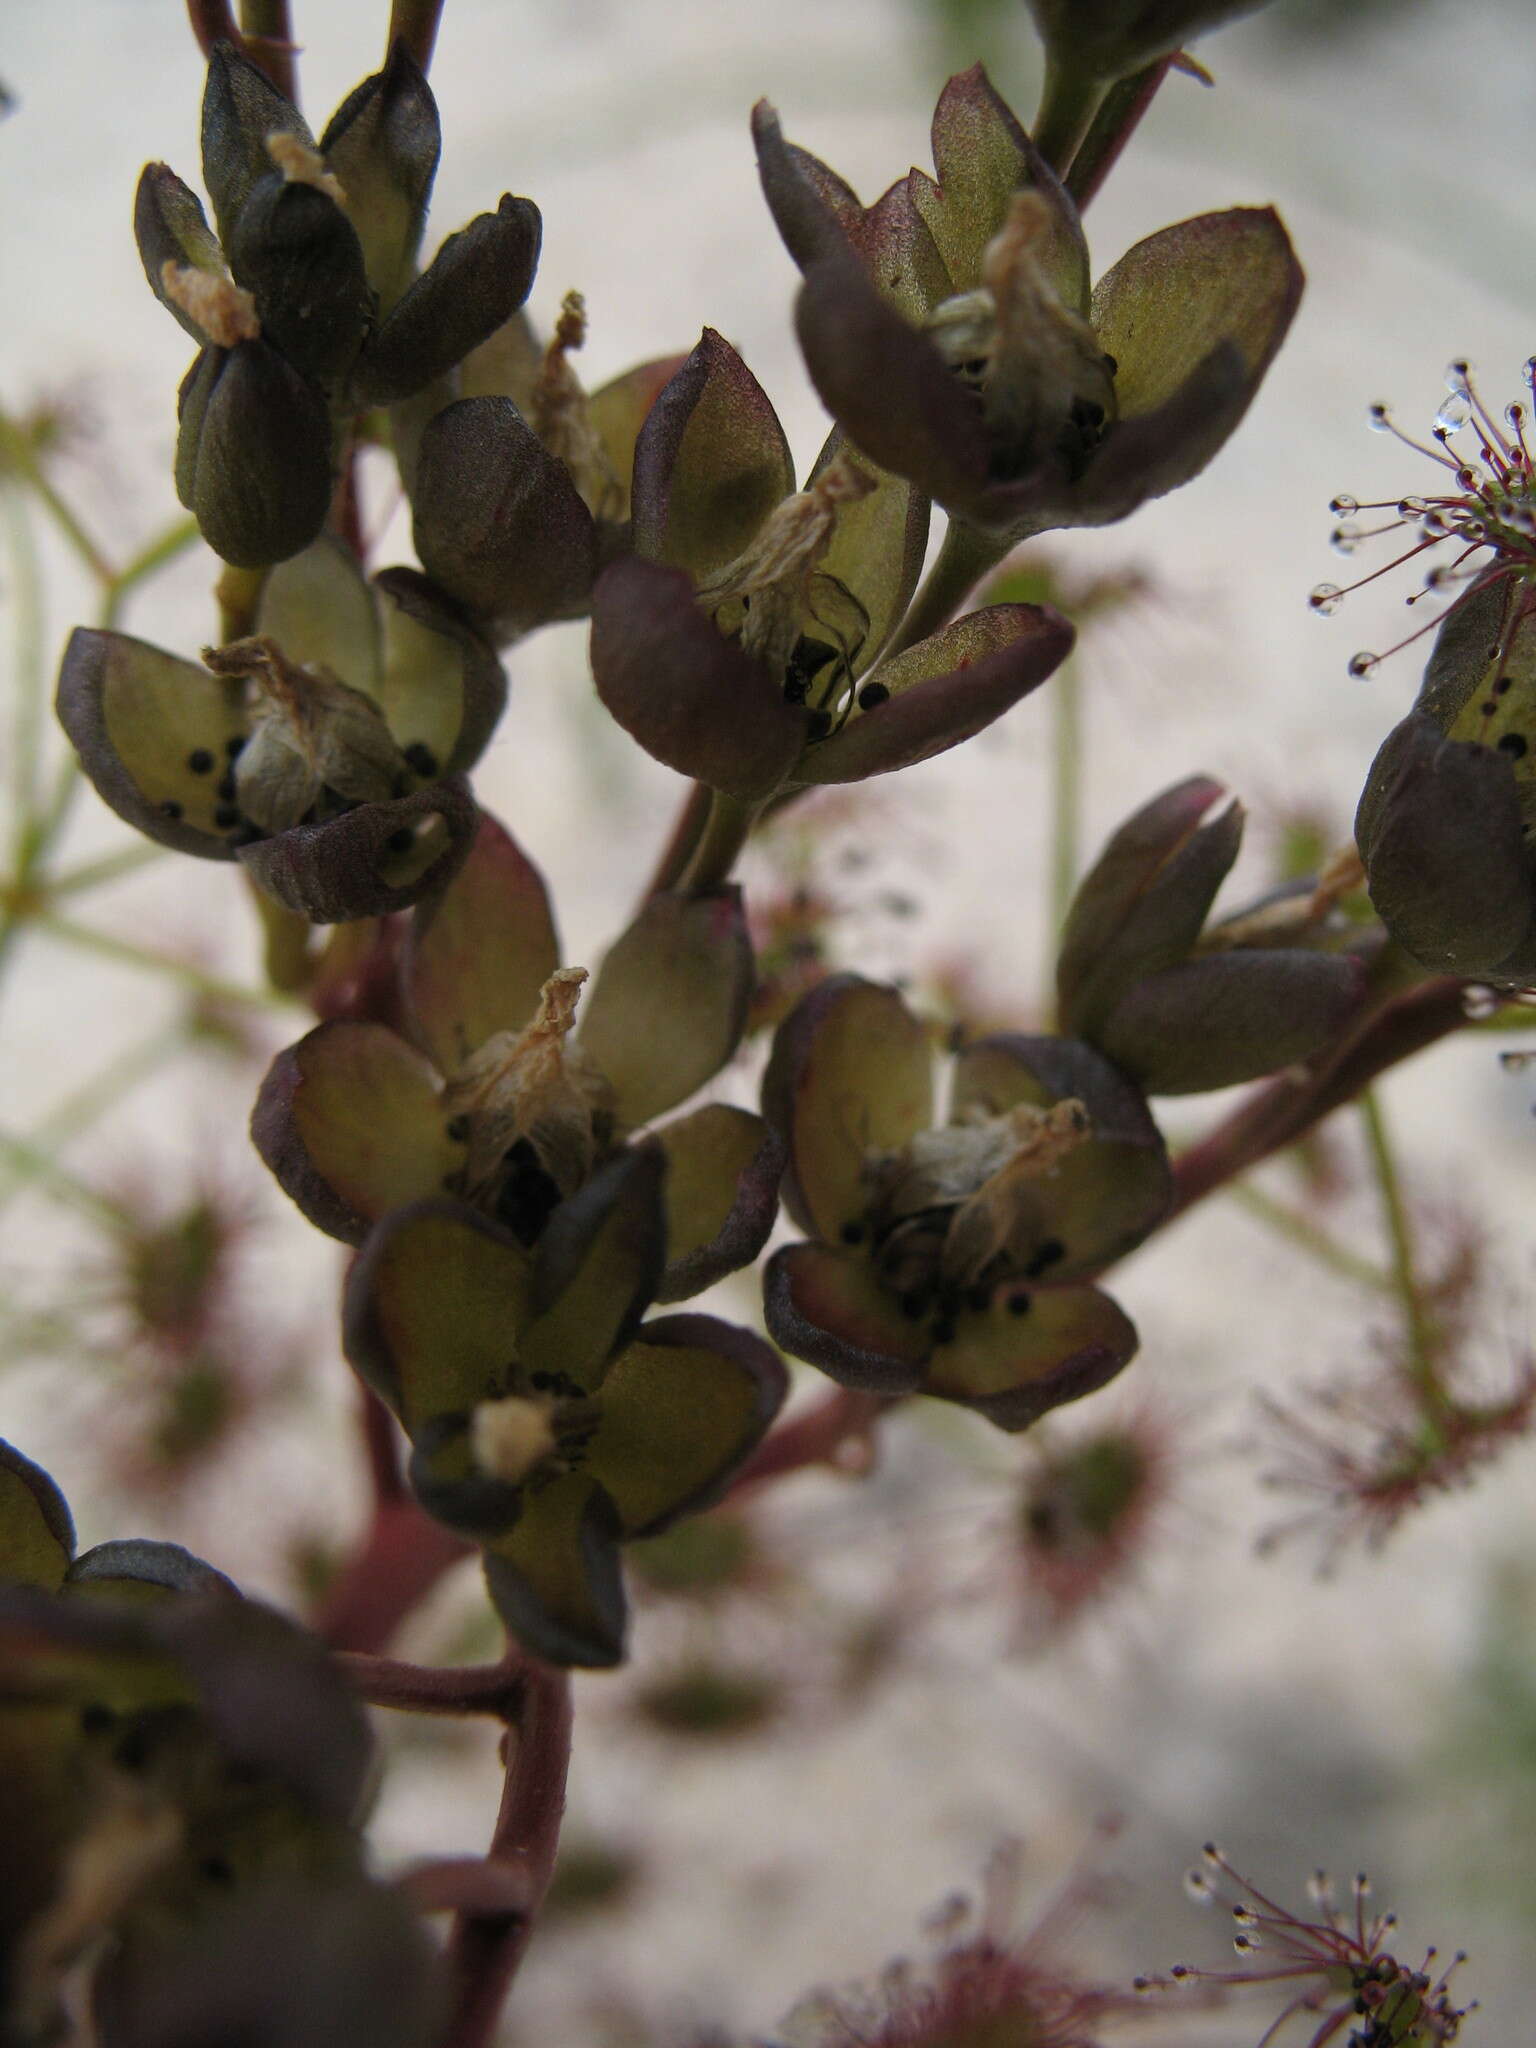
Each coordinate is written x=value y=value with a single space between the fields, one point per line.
x=65 y=1186
x=213 y=986
x=21 y=458
x=1068 y=103
x=726 y=831
x=680 y=848
x=26 y=727
x=1418 y=1327
x=1308 y=1237
x=268 y=34
x=1113 y=126
x=964 y=558
x=165 y=547
x=105 y=1089
x=1066 y=799
x=111 y=867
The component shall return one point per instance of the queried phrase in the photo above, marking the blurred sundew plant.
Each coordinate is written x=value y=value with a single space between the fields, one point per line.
x=537 y=1168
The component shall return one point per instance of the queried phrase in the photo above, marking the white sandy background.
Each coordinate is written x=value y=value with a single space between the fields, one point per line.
x=1302 y=1722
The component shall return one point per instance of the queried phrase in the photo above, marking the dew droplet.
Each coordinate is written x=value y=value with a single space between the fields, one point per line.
x=1380 y=418
x=1529 y=372
x=1245 y=1916
x=1326 y=598
x=1412 y=508
x=1246 y=1944
x=1197 y=1886
x=1514 y=415
x=1320 y=1888
x=1516 y=1062
x=1478 y=1003
x=1345 y=538
x=1453 y=413
x=1458 y=374
x=1344 y=506
x=1438 y=577
x=1364 y=664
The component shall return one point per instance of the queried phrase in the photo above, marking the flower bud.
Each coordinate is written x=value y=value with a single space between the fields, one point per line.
x=475 y=282
x=253 y=454
x=241 y=109
x=383 y=143
x=1141 y=905
x=296 y=251
x=170 y=227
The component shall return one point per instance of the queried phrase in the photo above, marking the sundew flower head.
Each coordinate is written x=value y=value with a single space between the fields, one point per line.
x=1477 y=526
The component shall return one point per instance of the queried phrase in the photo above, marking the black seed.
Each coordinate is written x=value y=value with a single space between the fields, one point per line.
x=96 y=1719
x=1488 y=708
x=401 y=841
x=421 y=758
x=1018 y=1302
x=819 y=724
x=200 y=761
x=871 y=695
x=224 y=790
x=1110 y=364
x=1049 y=1254
x=457 y=1128
x=528 y=1194
x=1513 y=744
x=170 y=808
x=943 y=1331
x=131 y=1752
x=234 y=746
x=1502 y=687
x=225 y=816
x=852 y=1233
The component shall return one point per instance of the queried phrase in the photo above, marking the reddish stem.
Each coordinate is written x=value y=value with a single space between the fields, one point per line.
x=1114 y=125
x=466 y=1884
x=402 y=1558
x=346 y=514
x=1276 y=1115
x=687 y=831
x=415 y=23
x=213 y=21
x=824 y=1434
x=486 y=1948
x=423 y=1689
